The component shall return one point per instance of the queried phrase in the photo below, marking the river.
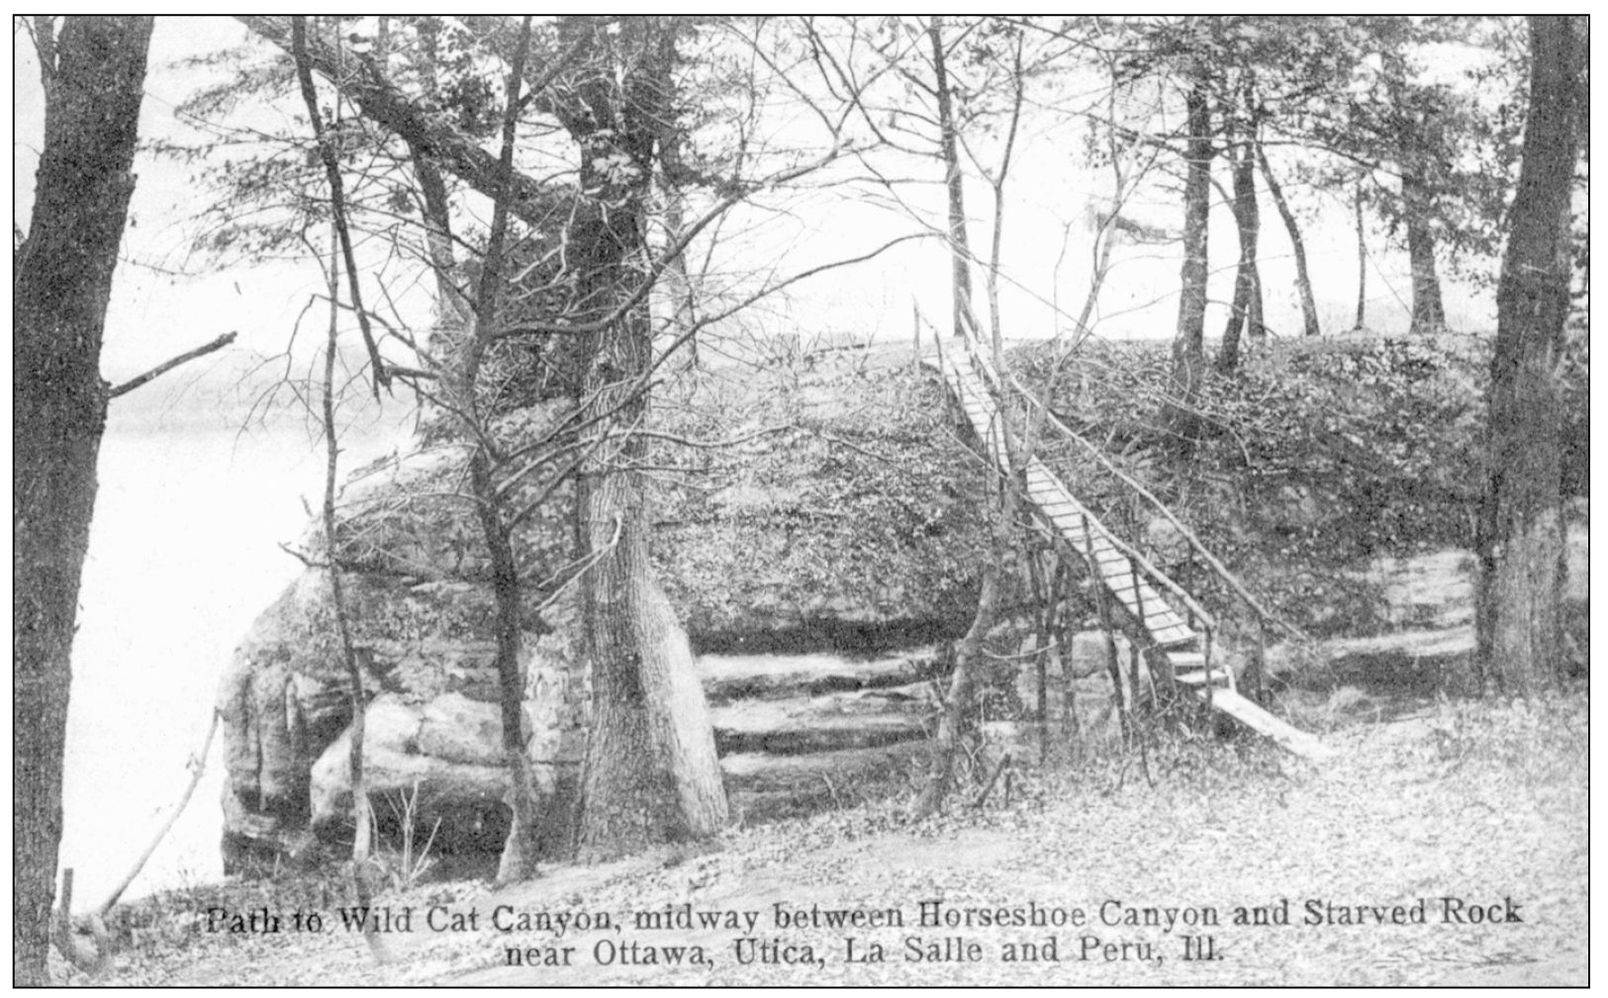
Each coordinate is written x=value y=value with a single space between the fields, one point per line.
x=184 y=553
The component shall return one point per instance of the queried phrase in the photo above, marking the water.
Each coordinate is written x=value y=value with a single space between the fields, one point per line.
x=183 y=555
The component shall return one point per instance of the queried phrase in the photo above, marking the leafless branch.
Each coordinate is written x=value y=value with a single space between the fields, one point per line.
x=168 y=365
x=337 y=198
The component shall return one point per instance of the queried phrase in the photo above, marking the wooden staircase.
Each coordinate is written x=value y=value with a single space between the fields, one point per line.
x=1175 y=642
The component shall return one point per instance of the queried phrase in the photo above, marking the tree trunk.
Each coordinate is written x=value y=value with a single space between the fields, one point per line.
x=1188 y=349
x=1417 y=206
x=957 y=719
x=1362 y=265
x=521 y=847
x=959 y=245
x=678 y=281
x=60 y=290
x=678 y=278
x=651 y=774
x=1303 y=282
x=1246 y=311
x=1428 y=316
x=362 y=822
x=452 y=308
x=1521 y=544
x=997 y=181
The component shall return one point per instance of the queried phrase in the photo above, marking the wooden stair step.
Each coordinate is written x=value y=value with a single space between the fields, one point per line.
x=1100 y=544
x=1159 y=614
x=1197 y=677
x=1057 y=504
x=1167 y=632
x=1257 y=719
x=1176 y=635
x=1166 y=628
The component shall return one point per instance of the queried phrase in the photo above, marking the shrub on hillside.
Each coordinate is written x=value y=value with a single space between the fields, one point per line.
x=1312 y=457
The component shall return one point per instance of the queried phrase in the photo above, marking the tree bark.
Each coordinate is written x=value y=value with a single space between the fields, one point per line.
x=520 y=849
x=957 y=719
x=452 y=307
x=1521 y=543
x=60 y=291
x=1428 y=316
x=651 y=773
x=1188 y=348
x=959 y=245
x=997 y=182
x=1245 y=314
x=677 y=276
x=1418 y=142
x=1303 y=282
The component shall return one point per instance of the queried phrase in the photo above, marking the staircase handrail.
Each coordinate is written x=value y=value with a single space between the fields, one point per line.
x=1212 y=562
x=1154 y=574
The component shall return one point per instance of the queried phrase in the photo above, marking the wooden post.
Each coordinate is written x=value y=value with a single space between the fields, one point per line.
x=1257 y=673
x=1066 y=632
x=1102 y=601
x=64 y=914
x=1134 y=681
x=1042 y=611
x=1144 y=628
x=915 y=327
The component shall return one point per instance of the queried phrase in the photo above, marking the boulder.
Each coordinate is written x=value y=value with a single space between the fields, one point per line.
x=1088 y=669
x=433 y=715
x=808 y=538
x=438 y=764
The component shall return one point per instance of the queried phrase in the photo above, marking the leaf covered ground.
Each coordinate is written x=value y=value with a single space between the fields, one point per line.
x=1484 y=802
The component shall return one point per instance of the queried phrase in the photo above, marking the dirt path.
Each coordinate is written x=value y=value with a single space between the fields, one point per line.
x=1481 y=805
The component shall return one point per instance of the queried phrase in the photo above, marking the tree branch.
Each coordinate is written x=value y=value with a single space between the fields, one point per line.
x=337 y=196
x=387 y=106
x=166 y=366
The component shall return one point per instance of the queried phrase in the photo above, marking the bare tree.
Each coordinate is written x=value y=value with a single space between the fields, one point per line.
x=954 y=180
x=341 y=249
x=650 y=772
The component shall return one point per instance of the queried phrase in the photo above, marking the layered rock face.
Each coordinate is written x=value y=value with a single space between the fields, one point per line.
x=844 y=517
x=420 y=615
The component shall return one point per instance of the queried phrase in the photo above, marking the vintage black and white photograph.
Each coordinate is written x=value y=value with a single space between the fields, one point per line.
x=805 y=500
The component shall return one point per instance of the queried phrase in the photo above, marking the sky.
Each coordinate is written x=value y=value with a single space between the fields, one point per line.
x=166 y=301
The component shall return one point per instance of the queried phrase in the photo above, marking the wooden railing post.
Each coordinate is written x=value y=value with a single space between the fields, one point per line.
x=1102 y=600
x=1142 y=629
x=1258 y=670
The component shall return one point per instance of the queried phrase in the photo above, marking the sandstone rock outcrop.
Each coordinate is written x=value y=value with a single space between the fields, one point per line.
x=805 y=538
